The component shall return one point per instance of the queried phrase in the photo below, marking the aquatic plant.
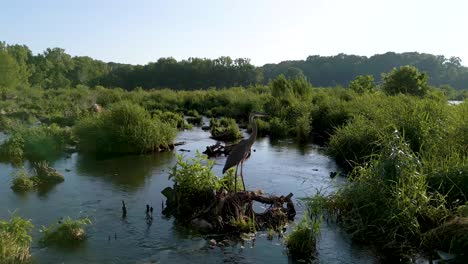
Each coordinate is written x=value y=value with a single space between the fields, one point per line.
x=125 y=128
x=67 y=231
x=22 y=181
x=43 y=175
x=15 y=240
x=12 y=150
x=35 y=143
x=388 y=202
x=301 y=242
x=225 y=129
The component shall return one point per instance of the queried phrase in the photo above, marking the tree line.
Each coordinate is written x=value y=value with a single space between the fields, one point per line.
x=54 y=68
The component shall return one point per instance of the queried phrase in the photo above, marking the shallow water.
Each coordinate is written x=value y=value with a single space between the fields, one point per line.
x=95 y=188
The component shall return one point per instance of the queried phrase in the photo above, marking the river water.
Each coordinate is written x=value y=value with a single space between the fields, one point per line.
x=95 y=188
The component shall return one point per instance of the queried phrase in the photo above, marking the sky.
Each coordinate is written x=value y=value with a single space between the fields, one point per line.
x=266 y=31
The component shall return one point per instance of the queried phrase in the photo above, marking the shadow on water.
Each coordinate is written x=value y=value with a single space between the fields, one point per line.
x=125 y=170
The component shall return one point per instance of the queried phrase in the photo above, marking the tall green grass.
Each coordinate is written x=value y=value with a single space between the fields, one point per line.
x=124 y=128
x=15 y=240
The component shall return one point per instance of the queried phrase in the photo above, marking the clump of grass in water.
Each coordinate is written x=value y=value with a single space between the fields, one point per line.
x=301 y=243
x=67 y=231
x=225 y=129
x=22 y=181
x=44 y=175
x=15 y=240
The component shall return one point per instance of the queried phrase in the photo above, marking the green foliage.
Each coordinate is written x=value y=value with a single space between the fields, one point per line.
x=405 y=80
x=13 y=150
x=67 y=231
x=194 y=175
x=9 y=70
x=354 y=142
x=125 y=128
x=173 y=119
x=225 y=129
x=362 y=84
x=301 y=243
x=388 y=202
x=35 y=143
x=15 y=240
x=194 y=117
x=194 y=184
x=22 y=181
x=44 y=175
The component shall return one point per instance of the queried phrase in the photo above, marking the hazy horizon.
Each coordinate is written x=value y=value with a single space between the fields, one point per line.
x=138 y=32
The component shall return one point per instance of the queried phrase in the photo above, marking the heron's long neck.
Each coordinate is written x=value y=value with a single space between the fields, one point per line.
x=253 y=136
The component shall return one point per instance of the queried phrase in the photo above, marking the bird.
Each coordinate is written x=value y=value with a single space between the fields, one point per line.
x=241 y=151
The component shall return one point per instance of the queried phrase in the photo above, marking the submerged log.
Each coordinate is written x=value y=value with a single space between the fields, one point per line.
x=224 y=212
x=218 y=150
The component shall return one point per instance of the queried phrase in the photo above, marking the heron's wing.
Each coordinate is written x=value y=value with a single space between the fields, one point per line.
x=237 y=154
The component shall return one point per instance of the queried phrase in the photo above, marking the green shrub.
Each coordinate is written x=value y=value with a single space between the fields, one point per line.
x=44 y=175
x=67 y=231
x=125 y=128
x=405 y=80
x=174 y=119
x=362 y=84
x=12 y=150
x=388 y=203
x=354 y=143
x=15 y=240
x=194 y=184
x=301 y=243
x=225 y=129
x=22 y=181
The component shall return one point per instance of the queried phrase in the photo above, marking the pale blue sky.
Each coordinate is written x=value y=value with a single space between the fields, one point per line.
x=265 y=31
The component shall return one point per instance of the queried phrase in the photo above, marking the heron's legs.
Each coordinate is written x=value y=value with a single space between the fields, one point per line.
x=235 y=179
x=242 y=175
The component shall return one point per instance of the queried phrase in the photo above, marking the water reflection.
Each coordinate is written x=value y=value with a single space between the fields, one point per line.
x=129 y=171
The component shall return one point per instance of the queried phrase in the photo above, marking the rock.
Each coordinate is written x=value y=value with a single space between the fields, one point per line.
x=201 y=225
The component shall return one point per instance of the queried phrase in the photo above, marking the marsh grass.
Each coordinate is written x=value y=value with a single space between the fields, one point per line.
x=225 y=129
x=15 y=240
x=35 y=143
x=22 y=181
x=124 y=129
x=67 y=231
x=388 y=202
x=44 y=176
x=302 y=241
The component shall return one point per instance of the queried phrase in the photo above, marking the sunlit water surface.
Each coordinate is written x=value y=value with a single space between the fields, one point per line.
x=95 y=188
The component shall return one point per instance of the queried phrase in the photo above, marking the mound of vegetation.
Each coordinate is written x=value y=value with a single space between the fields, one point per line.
x=224 y=129
x=15 y=240
x=66 y=232
x=194 y=117
x=35 y=144
x=45 y=175
x=388 y=202
x=124 y=128
x=211 y=205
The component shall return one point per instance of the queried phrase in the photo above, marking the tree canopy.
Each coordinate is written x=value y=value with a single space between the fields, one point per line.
x=55 y=68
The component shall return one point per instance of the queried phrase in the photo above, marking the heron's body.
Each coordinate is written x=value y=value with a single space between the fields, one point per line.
x=241 y=151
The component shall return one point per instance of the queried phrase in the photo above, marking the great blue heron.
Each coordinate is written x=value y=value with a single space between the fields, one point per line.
x=241 y=151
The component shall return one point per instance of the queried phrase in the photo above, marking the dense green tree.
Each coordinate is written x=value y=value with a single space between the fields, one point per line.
x=9 y=70
x=405 y=80
x=362 y=84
